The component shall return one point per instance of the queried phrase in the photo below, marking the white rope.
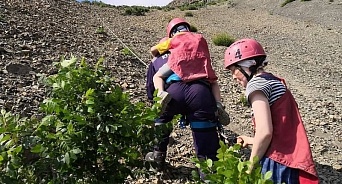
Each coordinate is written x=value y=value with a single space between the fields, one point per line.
x=112 y=32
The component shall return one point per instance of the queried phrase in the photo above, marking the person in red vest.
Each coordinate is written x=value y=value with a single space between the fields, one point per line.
x=189 y=60
x=280 y=141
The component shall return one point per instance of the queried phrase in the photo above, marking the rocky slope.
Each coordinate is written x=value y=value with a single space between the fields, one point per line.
x=303 y=41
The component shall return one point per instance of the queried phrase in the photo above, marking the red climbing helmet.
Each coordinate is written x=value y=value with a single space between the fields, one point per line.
x=174 y=23
x=241 y=50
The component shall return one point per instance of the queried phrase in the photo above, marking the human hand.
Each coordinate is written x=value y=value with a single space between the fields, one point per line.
x=244 y=141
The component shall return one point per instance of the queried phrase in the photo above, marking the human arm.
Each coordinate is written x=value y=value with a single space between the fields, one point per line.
x=215 y=88
x=161 y=48
x=263 y=121
x=158 y=78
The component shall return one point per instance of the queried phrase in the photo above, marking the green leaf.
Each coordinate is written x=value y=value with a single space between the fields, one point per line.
x=240 y=166
x=90 y=110
x=67 y=63
x=70 y=128
x=3 y=112
x=89 y=102
x=268 y=175
x=37 y=148
x=1 y=158
x=76 y=151
x=209 y=163
x=99 y=63
x=89 y=92
x=67 y=158
x=18 y=149
x=5 y=138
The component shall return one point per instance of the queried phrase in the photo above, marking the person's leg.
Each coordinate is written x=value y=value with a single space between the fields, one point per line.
x=202 y=106
x=206 y=144
x=200 y=102
x=176 y=106
x=158 y=81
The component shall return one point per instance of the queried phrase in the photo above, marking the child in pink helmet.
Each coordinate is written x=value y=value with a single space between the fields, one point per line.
x=189 y=61
x=280 y=141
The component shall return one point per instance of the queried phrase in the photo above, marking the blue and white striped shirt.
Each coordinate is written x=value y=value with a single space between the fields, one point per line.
x=268 y=84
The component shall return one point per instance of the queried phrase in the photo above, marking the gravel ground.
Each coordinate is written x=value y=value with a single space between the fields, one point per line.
x=303 y=41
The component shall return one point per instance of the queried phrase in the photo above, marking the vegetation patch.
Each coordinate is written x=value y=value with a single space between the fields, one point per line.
x=189 y=14
x=223 y=39
x=89 y=133
x=97 y=3
x=286 y=2
x=100 y=30
x=136 y=10
x=168 y=8
x=193 y=6
x=126 y=52
x=193 y=28
x=243 y=100
x=230 y=168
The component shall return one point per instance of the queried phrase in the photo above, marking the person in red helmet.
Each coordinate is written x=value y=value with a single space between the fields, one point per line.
x=280 y=141
x=189 y=60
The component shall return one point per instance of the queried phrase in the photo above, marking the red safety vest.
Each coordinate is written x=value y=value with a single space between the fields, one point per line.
x=290 y=145
x=190 y=58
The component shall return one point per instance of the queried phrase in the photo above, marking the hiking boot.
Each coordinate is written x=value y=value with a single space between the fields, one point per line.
x=223 y=116
x=156 y=160
x=165 y=99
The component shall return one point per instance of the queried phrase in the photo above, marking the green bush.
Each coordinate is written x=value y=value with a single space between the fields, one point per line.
x=90 y=132
x=136 y=10
x=100 y=4
x=168 y=8
x=86 y=2
x=156 y=7
x=193 y=28
x=189 y=14
x=100 y=30
x=243 y=100
x=223 y=39
x=15 y=143
x=126 y=52
x=193 y=6
x=230 y=168
x=286 y=2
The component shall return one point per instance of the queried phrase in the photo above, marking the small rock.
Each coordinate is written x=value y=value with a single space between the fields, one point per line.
x=124 y=85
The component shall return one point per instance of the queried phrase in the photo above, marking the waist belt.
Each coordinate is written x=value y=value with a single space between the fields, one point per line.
x=202 y=124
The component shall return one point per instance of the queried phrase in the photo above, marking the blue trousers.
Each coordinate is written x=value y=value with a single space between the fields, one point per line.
x=196 y=101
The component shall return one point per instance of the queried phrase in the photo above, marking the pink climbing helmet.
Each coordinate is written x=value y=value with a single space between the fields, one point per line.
x=174 y=23
x=241 y=50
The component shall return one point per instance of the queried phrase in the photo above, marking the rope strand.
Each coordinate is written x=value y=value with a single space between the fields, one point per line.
x=112 y=32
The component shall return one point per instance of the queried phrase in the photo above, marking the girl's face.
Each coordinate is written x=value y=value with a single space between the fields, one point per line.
x=238 y=75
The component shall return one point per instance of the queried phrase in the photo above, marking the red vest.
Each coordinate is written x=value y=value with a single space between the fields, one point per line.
x=190 y=58
x=290 y=145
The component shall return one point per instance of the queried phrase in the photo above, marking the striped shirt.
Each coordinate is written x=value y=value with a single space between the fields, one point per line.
x=272 y=87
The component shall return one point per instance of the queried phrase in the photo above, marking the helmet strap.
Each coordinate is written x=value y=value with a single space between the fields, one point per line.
x=248 y=77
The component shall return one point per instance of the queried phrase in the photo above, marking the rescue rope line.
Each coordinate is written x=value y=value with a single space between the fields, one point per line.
x=112 y=32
